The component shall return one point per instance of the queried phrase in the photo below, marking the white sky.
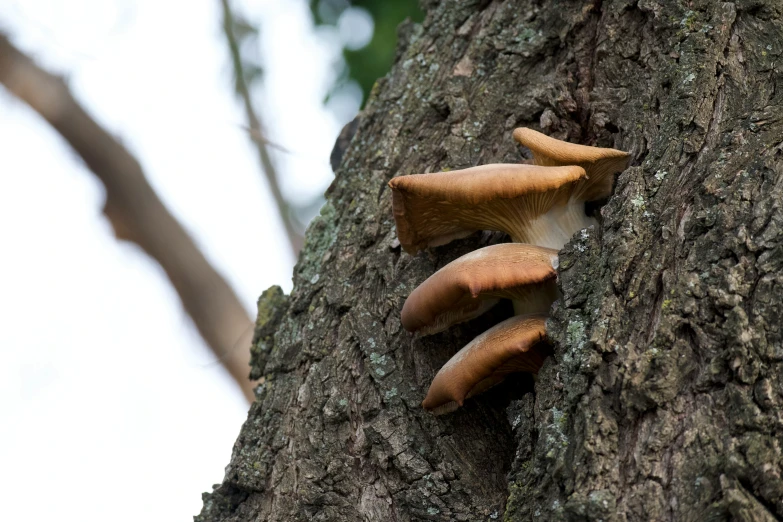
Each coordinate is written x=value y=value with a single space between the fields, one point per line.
x=111 y=406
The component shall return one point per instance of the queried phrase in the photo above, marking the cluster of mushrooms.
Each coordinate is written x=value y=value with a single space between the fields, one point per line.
x=540 y=205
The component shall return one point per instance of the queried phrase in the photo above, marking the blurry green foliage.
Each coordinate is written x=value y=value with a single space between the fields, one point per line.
x=367 y=64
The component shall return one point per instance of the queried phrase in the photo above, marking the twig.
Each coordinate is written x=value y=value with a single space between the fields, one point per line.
x=136 y=213
x=254 y=122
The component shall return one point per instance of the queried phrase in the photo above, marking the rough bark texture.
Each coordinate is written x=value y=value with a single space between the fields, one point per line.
x=662 y=401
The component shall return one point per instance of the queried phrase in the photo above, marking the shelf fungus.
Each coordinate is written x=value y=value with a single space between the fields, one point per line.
x=600 y=164
x=540 y=206
x=515 y=345
x=472 y=284
x=525 y=201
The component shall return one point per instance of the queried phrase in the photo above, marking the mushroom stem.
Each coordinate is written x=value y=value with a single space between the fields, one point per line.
x=531 y=303
x=555 y=228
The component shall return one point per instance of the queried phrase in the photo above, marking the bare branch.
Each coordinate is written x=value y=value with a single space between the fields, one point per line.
x=254 y=122
x=137 y=214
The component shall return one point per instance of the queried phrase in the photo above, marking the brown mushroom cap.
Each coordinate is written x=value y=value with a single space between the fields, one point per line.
x=473 y=283
x=509 y=347
x=600 y=164
x=434 y=209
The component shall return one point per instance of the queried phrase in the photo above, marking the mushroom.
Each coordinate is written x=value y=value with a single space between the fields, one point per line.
x=511 y=346
x=472 y=284
x=543 y=204
x=600 y=164
x=527 y=202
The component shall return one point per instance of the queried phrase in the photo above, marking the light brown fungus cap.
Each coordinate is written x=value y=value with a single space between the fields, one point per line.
x=599 y=163
x=434 y=209
x=511 y=346
x=473 y=283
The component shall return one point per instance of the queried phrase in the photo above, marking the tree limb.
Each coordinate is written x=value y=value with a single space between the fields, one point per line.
x=137 y=214
x=295 y=237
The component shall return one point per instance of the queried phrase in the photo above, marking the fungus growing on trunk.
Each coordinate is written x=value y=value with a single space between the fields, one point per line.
x=600 y=164
x=434 y=209
x=515 y=345
x=472 y=284
x=542 y=204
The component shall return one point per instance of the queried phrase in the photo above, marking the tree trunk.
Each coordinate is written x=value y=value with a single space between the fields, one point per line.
x=662 y=400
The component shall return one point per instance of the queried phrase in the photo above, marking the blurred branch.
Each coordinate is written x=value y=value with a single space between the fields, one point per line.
x=136 y=212
x=254 y=122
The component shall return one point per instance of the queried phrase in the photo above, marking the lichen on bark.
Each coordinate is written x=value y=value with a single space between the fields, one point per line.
x=662 y=399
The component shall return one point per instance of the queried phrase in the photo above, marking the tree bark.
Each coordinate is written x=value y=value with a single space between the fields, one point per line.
x=662 y=400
